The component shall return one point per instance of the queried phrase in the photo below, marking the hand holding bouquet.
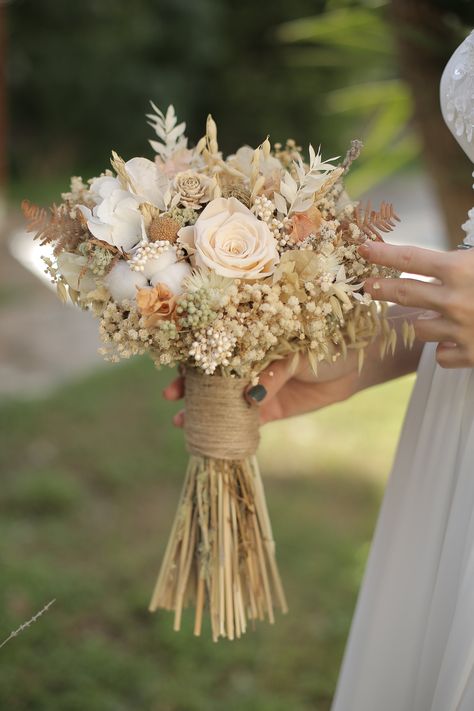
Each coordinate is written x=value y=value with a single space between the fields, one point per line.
x=221 y=265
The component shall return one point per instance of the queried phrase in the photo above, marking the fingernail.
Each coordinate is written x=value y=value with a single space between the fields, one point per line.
x=257 y=393
x=376 y=285
x=427 y=315
x=364 y=249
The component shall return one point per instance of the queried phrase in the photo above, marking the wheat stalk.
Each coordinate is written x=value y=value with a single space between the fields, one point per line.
x=27 y=624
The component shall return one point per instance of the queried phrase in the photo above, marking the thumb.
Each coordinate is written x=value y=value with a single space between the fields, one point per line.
x=270 y=381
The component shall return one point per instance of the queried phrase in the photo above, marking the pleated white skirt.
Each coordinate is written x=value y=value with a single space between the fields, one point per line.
x=411 y=645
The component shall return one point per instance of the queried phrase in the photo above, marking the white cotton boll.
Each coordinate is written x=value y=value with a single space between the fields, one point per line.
x=172 y=276
x=159 y=263
x=122 y=282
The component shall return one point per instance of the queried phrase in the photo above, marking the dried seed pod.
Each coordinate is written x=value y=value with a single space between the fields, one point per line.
x=238 y=191
x=163 y=228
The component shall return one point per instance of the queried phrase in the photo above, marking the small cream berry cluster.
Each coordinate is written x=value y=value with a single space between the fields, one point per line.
x=264 y=209
x=212 y=347
x=146 y=251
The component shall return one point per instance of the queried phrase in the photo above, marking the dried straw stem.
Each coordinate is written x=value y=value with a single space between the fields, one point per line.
x=221 y=550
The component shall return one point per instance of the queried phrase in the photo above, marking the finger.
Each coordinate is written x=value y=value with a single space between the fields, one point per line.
x=178 y=419
x=450 y=355
x=175 y=390
x=406 y=292
x=270 y=381
x=436 y=329
x=413 y=260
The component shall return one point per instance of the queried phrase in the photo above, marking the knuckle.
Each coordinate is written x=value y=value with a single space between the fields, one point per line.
x=462 y=313
x=402 y=292
x=453 y=305
x=441 y=359
x=451 y=265
x=406 y=258
x=420 y=330
x=462 y=270
x=470 y=356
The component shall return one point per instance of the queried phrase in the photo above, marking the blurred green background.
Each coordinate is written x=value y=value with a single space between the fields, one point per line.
x=90 y=465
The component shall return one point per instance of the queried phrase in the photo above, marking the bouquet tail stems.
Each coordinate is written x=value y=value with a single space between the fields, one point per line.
x=221 y=551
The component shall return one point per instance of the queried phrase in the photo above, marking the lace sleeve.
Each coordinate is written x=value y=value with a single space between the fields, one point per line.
x=457 y=106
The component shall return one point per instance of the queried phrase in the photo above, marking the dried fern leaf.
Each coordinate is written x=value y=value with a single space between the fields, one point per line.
x=373 y=222
x=37 y=217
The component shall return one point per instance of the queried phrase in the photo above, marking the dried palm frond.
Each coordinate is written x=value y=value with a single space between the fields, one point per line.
x=372 y=222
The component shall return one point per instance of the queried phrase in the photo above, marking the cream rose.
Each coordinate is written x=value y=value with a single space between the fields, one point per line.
x=231 y=241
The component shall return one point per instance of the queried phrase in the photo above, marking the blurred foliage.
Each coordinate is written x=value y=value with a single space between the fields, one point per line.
x=357 y=36
x=81 y=75
x=374 y=100
x=84 y=519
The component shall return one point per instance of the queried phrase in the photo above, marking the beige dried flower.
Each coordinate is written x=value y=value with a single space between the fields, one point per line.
x=194 y=189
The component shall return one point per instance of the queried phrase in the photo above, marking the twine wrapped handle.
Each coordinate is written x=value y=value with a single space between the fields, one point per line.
x=219 y=422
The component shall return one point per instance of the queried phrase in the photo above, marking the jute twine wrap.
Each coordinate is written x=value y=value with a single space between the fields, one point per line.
x=219 y=422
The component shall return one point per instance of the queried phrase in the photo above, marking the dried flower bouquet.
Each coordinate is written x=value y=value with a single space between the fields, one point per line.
x=221 y=265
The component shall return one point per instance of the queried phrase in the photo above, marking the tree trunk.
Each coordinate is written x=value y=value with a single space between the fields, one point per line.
x=3 y=110
x=425 y=44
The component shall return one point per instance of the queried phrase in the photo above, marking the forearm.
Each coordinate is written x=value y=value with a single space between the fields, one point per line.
x=404 y=361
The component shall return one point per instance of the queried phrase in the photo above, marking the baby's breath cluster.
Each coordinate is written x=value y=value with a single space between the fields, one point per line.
x=212 y=347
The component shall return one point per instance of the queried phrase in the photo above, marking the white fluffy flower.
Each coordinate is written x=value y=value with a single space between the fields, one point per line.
x=100 y=188
x=231 y=241
x=269 y=166
x=117 y=219
x=148 y=182
x=73 y=268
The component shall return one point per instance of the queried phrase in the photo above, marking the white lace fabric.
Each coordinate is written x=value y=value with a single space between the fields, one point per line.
x=457 y=105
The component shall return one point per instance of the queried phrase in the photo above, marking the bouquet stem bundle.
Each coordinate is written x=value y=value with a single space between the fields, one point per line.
x=221 y=550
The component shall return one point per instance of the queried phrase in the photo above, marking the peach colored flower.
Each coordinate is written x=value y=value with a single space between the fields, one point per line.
x=156 y=303
x=305 y=223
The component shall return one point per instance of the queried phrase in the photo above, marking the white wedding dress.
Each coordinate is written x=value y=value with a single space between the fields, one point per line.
x=411 y=645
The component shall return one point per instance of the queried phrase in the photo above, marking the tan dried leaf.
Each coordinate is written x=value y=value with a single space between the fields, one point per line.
x=61 y=291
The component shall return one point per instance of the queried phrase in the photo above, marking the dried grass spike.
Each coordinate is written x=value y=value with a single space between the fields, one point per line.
x=352 y=154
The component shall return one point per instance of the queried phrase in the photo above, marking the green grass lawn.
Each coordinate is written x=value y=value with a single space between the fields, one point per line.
x=90 y=482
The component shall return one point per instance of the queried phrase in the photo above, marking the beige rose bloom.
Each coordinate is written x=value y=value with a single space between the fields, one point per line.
x=194 y=189
x=228 y=239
